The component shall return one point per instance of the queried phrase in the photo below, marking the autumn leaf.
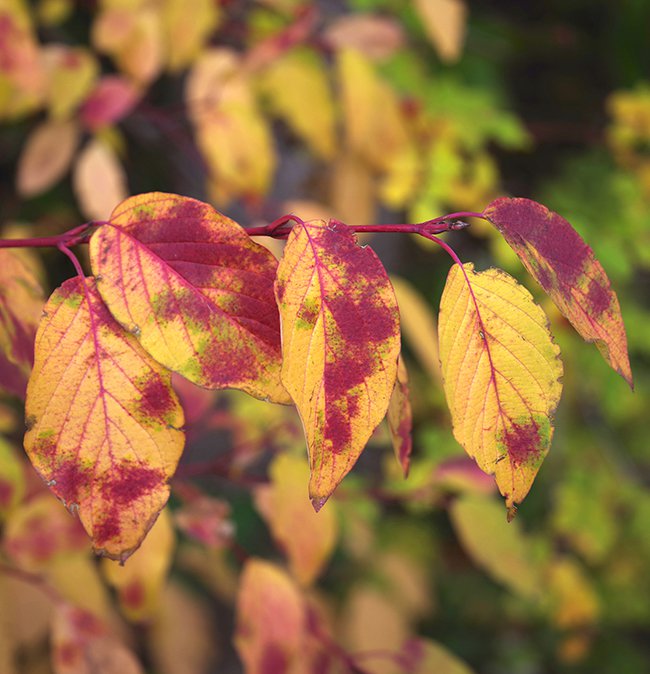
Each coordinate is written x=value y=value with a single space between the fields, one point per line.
x=565 y=266
x=444 y=22
x=307 y=538
x=194 y=289
x=400 y=418
x=498 y=547
x=82 y=644
x=21 y=302
x=340 y=344
x=103 y=424
x=423 y=656
x=288 y=82
x=46 y=156
x=12 y=479
x=112 y=98
x=376 y=37
x=99 y=181
x=271 y=619
x=501 y=372
x=140 y=582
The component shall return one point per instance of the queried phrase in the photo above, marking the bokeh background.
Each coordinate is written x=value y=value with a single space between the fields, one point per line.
x=370 y=111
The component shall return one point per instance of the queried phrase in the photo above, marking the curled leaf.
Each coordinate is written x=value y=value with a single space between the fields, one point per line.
x=400 y=418
x=103 y=423
x=340 y=344
x=501 y=372
x=565 y=266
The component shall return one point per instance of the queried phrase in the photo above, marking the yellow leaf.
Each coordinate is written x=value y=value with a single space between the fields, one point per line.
x=186 y=32
x=353 y=190
x=340 y=344
x=181 y=639
x=501 y=372
x=296 y=77
x=12 y=479
x=498 y=547
x=271 y=619
x=71 y=73
x=46 y=156
x=133 y=38
x=374 y=122
x=444 y=22
x=419 y=326
x=21 y=302
x=99 y=181
x=102 y=420
x=140 y=582
x=428 y=657
x=400 y=418
x=307 y=538
x=573 y=601
x=82 y=644
x=233 y=136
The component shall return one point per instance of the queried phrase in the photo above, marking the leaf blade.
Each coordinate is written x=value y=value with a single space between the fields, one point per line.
x=194 y=289
x=558 y=258
x=103 y=421
x=501 y=374
x=340 y=342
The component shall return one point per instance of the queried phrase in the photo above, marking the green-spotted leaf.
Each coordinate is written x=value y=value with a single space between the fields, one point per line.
x=194 y=289
x=103 y=423
x=565 y=266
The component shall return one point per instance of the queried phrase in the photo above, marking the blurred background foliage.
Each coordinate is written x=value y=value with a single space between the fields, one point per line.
x=371 y=111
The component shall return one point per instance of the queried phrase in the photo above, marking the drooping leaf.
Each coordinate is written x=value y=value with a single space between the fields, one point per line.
x=271 y=619
x=419 y=326
x=140 y=582
x=300 y=76
x=206 y=520
x=103 y=424
x=340 y=343
x=400 y=418
x=82 y=644
x=565 y=266
x=194 y=289
x=307 y=538
x=444 y=22
x=70 y=73
x=501 y=372
x=21 y=302
x=99 y=181
x=498 y=547
x=46 y=156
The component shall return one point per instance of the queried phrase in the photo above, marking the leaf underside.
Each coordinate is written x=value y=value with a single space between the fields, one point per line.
x=501 y=372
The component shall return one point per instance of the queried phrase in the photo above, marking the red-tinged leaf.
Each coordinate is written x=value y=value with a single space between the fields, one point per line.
x=21 y=302
x=271 y=620
x=82 y=644
x=501 y=373
x=400 y=418
x=110 y=101
x=565 y=266
x=340 y=343
x=207 y=520
x=194 y=289
x=307 y=538
x=103 y=421
x=140 y=582
x=41 y=530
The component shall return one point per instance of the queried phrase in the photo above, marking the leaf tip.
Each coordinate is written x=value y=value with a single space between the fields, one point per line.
x=511 y=510
x=318 y=502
